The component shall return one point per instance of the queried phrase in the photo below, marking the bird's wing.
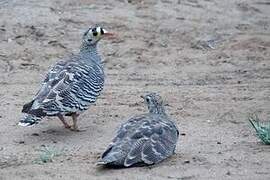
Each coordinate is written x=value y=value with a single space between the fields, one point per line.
x=68 y=87
x=116 y=151
x=155 y=140
x=142 y=139
x=50 y=80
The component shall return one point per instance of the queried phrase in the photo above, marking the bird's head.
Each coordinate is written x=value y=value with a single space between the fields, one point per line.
x=154 y=103
x=93 y=35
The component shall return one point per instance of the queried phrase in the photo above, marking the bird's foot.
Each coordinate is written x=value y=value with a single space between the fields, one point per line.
x=76 y=129
x=67 y=126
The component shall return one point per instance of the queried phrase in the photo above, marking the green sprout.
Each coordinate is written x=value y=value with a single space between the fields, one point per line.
x=47 y=154
x=262 y=130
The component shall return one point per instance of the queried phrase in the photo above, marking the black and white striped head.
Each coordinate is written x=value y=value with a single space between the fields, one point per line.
x=93 y=35
x=154 y=103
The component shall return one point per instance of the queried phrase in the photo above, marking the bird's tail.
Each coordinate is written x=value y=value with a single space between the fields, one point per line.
x=110 y=157
x=29 y=120
x=110 y=161
x=101 y=162
x=106 y=160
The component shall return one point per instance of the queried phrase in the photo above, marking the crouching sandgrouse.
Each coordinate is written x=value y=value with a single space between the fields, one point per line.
x=144 y=139
x=70 y=86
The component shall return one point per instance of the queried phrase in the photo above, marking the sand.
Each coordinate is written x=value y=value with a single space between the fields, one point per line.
x=209 y=60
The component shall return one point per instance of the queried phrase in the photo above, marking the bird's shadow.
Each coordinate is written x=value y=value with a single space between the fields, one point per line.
x=54 y=134
x=166 y=161
x=59 y=131
x=102 y=168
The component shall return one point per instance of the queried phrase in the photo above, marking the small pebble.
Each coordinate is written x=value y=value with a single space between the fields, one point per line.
x=186 y=161
x=21 y=142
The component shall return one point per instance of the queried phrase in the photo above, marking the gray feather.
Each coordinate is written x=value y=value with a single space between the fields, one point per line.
x=147 y=138
x=70 y=86
x=29 y=120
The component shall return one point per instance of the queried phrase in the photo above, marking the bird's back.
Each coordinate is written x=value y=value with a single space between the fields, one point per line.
x=144 y=139
x=69 y=86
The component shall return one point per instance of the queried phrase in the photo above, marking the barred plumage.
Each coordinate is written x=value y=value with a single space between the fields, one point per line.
x=71 y=85
x=77 y=85
x=144 y=139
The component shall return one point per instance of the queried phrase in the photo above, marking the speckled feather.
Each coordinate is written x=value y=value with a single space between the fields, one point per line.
x=144 y=139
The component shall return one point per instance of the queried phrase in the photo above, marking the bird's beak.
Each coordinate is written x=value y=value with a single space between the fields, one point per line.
x=108 y=34
x=142 y=96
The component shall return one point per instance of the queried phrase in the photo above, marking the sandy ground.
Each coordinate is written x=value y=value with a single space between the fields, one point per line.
x=209 y=59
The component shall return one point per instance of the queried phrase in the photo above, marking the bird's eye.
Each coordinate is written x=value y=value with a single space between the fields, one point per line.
x=147 y=99
x=94 y=31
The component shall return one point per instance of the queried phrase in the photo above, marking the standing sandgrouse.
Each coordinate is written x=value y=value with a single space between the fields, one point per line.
x=71 y=85
x=144 y=139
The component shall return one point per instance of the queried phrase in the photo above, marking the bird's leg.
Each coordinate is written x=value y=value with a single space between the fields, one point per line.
x=61 y=117
x=74 y=118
